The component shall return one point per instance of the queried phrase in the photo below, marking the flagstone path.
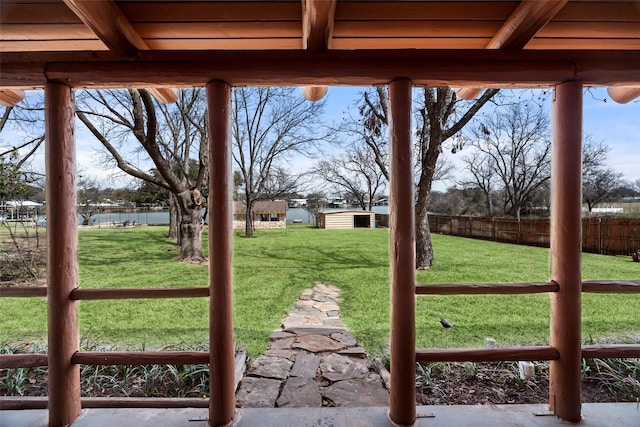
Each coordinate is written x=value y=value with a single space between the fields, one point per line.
x=312 y=361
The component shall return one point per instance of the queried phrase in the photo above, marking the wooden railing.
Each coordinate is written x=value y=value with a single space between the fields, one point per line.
x=12 y=361
x=524 y=353
x=96 y=358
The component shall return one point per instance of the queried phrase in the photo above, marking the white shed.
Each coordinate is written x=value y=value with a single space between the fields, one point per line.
x=346 y=219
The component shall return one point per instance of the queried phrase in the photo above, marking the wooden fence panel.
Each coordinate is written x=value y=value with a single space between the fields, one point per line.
x=611 y=236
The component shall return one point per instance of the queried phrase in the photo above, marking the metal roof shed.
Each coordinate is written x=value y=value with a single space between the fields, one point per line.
x=346 y=219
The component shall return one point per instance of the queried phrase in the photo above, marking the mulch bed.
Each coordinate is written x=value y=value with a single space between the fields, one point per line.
x=498 y=383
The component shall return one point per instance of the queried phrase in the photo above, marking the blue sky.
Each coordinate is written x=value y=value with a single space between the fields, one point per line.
x=616 y=124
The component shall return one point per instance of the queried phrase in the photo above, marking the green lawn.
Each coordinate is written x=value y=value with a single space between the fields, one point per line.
x=272 y=269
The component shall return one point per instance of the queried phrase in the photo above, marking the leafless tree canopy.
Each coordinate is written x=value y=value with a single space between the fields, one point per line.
x=129 y=124
x=511 y=151
x=21 y=136
x=598 y=181
x=439 y=116
x=269 y=125
x=354 y=172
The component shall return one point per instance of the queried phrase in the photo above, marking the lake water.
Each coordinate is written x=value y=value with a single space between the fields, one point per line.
x=162 y=218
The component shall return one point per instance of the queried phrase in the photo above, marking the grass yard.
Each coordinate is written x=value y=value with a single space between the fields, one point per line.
x=271 y=269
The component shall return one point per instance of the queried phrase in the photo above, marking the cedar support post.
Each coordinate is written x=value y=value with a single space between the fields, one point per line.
x=402 y=409
x=221 y=344
x=62 y=255
x=566 y=241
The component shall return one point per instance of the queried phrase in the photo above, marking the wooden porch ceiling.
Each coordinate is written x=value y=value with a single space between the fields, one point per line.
x=95 y=43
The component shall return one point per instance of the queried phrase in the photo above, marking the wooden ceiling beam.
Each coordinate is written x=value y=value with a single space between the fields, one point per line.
x=166 y=95
x=623 y=94
x=10 y=97
x=317 y=31
x=317 y=24
x=456 y=67
x=108 y=22
x=522 y=25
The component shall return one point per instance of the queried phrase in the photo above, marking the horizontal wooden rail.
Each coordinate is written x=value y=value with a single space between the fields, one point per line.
x=132 y=293
x=487 y=354
x=617 y=286
x=611 y=351
x=32 y=360
x=477 y=289
x=140 y=357
x=23 y=291
x=24 y=402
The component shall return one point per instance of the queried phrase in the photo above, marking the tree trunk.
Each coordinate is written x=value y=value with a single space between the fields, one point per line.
x=173 y=217
x=424 y=248
x=248 y=228
x=191 y=226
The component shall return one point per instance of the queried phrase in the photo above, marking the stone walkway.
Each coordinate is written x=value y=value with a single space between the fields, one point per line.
x=312 y=361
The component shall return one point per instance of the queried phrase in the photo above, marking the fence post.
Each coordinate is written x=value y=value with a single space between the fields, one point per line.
x=402 y=408
x=566 y=250
x=62 y=255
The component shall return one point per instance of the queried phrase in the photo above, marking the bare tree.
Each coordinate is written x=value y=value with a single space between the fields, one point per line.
x=88 y=198
x=598 y=181
x=315 y=202
x=356 y=172
x=21 y=136
x=514 y=146
x=269 y=124
x=440 y=116
x=483 y=177
x=169 y=136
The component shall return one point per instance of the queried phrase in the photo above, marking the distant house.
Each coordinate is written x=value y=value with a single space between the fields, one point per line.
x=346 y=219
x=266 y=215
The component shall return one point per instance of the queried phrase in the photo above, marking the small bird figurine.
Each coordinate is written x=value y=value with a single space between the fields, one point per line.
x=446 y=324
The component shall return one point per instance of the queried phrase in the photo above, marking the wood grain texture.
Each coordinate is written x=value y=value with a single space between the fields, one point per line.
x=566 y=251
x=487 y=354
x=62 y=255
x=221 y=370
x=140 y=357
x=482 y=68
x=133 y=293
x=402 y=398
x=486 y=289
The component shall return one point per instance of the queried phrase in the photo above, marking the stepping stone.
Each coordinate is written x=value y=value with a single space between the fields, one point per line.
x=335 y=367
x=318 y=330
x=258 y=392
x=353 y=352
x=345 y=338
x=277 y=335
x=335 y=322
x=271 y=367
x=293 y=322
x=326 y=307
x=357 y=393
x=306 y=365
x=282 y=344
x=285 y=354
x=317 y=343
x=300 y=392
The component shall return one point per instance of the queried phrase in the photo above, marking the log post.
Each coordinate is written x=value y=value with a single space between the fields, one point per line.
x=62 y=255
x=402 y=409
x=221 y=344
x=566 y=242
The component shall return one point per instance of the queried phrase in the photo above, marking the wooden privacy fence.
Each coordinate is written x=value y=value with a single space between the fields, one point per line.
x=612 y=236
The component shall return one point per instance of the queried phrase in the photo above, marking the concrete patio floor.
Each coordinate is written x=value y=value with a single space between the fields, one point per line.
x=594 y=415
